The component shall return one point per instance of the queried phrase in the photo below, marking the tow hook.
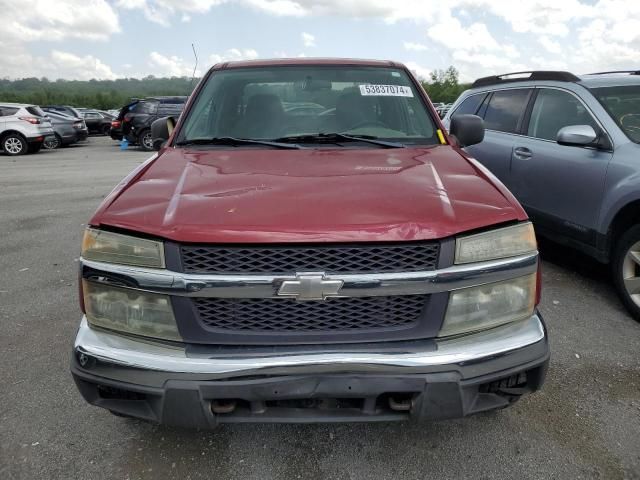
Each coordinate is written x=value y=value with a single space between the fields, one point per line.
x=401 y=404
x=223 y=406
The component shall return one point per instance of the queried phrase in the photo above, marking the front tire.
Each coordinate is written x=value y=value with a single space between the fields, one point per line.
x=626 y=270
x=14 y=144
x=145 y=140
x=106 y=130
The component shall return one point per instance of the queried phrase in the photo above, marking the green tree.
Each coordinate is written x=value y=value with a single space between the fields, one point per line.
x=102 y=94
x=443 y=85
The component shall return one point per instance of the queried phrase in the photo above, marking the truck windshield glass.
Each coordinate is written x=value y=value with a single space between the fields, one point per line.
x=309 y=102
x=623 y=104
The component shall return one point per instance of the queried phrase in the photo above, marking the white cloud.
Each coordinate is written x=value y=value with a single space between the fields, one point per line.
x=418 y=70
x=549 y=17
x=308 y=40
x=285 y=8
x=57 y=64
x=163 y=11
x=31 y=20
x=415 y=47
x=170 y=66
x=27 y=21
x=477 y=36
x=549 y=45
x=233 y=54
x=80 y=67
x=472 y=65
x=453 y=35
x=474 y=51
x=599 y=49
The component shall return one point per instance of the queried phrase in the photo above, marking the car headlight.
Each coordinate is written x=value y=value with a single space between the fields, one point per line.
x=500 y=243
x=129 y=311
x=109 y=247
x=487 y=306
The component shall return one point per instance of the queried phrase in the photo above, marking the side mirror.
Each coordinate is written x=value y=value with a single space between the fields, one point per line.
x=468 y=129
x=161 y=130
x=577 y=136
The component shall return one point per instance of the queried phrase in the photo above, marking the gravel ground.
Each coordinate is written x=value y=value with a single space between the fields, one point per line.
x=585 y=423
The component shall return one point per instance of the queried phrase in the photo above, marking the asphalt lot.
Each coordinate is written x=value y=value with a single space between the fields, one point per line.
x=585 y=423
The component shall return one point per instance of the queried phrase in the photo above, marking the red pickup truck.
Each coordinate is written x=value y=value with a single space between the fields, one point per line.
x=309 y=244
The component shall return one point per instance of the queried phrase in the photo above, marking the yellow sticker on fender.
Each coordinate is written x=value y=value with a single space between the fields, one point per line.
x=385 y=91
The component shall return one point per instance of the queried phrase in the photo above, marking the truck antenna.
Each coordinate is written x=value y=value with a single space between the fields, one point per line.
x=193 y=76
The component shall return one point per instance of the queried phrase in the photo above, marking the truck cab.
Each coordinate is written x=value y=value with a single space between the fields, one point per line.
x=309 y=245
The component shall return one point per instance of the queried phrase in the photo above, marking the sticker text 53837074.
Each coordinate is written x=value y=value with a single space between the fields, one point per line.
x=386 y=91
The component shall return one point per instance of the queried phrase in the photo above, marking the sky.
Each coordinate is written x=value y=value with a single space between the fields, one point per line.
x=107 y=39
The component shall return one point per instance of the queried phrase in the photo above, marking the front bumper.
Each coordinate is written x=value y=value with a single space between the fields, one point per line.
x=197 y=386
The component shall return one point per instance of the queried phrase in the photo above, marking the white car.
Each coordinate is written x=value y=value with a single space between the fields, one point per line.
x=23 y=128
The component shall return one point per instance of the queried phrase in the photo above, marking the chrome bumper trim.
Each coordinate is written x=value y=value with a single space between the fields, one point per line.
x=130 y=352
x=266 y=286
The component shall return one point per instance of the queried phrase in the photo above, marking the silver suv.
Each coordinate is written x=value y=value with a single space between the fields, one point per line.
x=568 y=148
x=23 y=128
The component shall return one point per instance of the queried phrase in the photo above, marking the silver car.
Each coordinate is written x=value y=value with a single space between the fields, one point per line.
x=568 y=147
x=68 y=130
x=23 y=128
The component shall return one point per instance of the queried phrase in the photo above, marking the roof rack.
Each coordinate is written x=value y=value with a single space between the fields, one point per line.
x=558 y=76
x=630 y=72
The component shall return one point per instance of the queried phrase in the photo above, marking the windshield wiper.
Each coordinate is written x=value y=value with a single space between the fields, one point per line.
x=233 y=141
x=339 y=137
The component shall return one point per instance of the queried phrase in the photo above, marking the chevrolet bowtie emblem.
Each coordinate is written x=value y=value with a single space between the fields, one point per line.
x=310 y=286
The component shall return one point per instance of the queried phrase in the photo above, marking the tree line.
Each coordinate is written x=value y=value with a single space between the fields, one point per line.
x=442 y=86
x=100 y=94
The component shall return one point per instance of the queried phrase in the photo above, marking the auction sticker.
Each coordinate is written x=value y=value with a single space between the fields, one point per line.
x=385 y=91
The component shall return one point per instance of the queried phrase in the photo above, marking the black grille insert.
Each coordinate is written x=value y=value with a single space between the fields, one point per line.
x=288 y=315
x=287 y=260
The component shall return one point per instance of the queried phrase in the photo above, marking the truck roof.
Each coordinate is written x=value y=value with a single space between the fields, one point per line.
x=306 y=61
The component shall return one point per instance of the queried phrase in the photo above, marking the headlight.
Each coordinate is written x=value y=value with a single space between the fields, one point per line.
x=130 y=311
x=478 y=308
x=101 y=246
x=504 y=242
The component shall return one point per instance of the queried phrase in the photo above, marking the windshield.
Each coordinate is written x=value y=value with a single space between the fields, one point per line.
x=270 y=103
x=623 y=104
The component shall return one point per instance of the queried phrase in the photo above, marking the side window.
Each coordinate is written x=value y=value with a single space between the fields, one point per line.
x=554 y=109
x=470 y=104
x=146 y=107
x=8 y=111
x=505 y=109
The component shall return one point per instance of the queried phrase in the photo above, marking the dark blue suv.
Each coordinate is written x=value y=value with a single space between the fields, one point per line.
x=568 y=148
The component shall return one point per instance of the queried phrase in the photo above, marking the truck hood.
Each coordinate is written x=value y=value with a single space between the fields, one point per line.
x=247 y=195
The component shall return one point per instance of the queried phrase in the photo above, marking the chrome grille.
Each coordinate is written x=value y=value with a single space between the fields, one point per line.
x=331 y=259
x=288 y=315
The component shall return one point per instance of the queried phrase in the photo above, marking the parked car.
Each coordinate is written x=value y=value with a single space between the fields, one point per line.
x=443 y=109
x=68 y=130
x=97 y=122
x=272 y=267
x=23 y=128
x=567 y=147
x=135 y=119
x=66 y=109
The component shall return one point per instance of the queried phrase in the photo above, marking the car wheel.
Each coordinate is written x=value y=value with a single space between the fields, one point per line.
x=14 y=144
x=626 y=270
x=53 y=142
x=145 y=140
x=106 y=130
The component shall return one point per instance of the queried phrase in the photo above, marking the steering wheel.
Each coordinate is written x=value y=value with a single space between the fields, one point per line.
x=630 y=120
x=367 y=123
